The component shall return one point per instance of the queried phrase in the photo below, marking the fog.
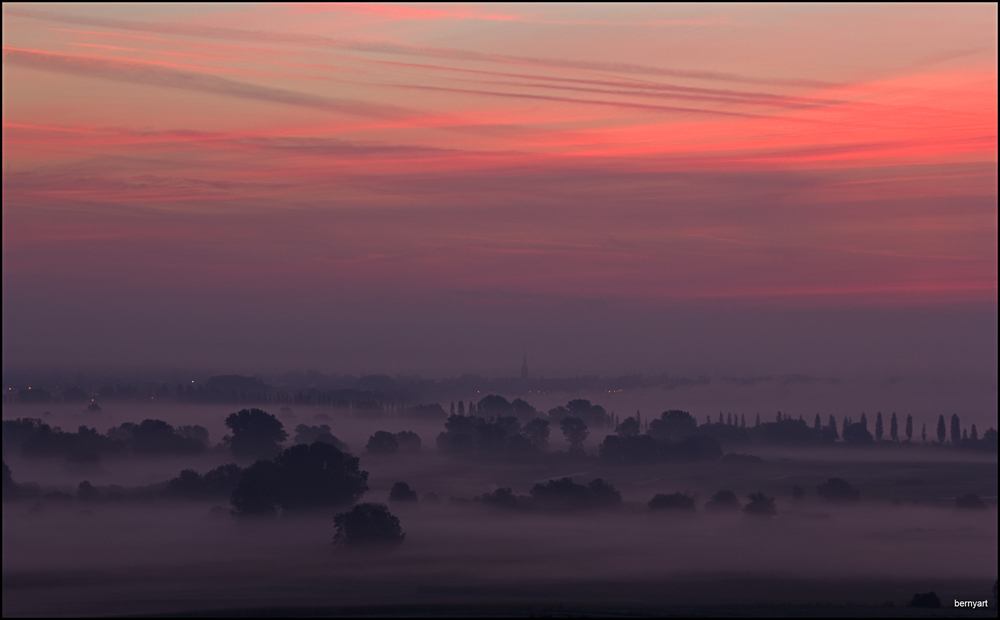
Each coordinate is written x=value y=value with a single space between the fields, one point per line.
x=69 y=556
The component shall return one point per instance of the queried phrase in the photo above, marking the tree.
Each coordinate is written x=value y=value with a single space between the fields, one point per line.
x=628 y=428
x=817 y=423
x=300 y=479
x=893 y=428
x=575 y=431
x=311 y=434
x=564 y=494
x=956 y=429
x=675 y=501
x=537 y=432
x=256 y=433
x=723 y=501
x=857 y=433
x=673 y=425
x=9 y=488
x=941 y=433
x=923 y=432
x=832 y=426
x=909 y=427
x=382 y=442
x=878 y=426
x=367 y=526
x=838 y=490
x=408 y=441
x=760 y=505
x=926 y=599
x=401 y=492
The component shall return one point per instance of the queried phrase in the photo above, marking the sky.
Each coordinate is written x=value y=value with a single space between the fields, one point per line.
x=436 y=189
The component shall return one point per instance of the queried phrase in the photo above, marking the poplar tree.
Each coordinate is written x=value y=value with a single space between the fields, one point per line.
x=878 y=426
x=909 y=427
x=893 y=428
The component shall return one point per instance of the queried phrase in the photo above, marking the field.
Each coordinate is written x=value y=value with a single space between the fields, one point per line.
x=66 y=557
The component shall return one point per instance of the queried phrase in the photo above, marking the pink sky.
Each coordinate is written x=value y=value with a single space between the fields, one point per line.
x=433 y=160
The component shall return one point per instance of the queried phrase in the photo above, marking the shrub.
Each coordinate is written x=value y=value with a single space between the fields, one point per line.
x=760 y=505
x=838 y=490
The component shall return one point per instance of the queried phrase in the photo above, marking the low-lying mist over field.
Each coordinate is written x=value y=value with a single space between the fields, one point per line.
x=479 y=529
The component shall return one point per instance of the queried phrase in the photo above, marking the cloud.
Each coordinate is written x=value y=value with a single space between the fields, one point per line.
x=163 y=75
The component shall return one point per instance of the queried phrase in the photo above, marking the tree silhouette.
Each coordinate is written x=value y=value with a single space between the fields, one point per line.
x=831 y=425
x=382 y=442
x=956 y=429
x=537 y=432
x=760 y=505
x=629 y=427
x=311 y=434
x=909 y=427
x=893 y=428
x=923 y=432
x=367 y=526
x=970 y=501
x=401 y=492
x=575 y=431
x=86 y=492
x=300 y=479
x=878 y=426
x=838 y=490
x=723 y=501
x=256 y=433
x=675 y=501
x=408 y=441
x=926 y=599
x=941 y=433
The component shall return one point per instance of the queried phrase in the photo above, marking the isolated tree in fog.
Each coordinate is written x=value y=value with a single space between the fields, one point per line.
x=722 y=501
x=760 y=505
x=401 y=492
x=256 y=433
x=956 y=429
x=367 y=525
x=941 y=433
x=878 y=426
x=893 y=428
x=909 y=427
x=382 y=442
x=832 y=425
x=675 y=501
x=575 y=431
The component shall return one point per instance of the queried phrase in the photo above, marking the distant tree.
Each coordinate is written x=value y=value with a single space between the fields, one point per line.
x=408 y=441
x=75 y=395
x=893 y=428
x=675 y=501
x=258 y=493
x=974 y=435
x=495 y=405
x=311 y=434
x=300 y=479
x=575 y=431
x=743 y=421
x=256 y=433
x=760 y=505
x=401 y=492
x=86 y=492
x=367 y=526
x=864 y=420
x=844 y=424
x=564 y=494
x=158 y=437
x=673 y=425
x=503 y=498
x=758 y=420
x=838 y=490
x=856 y=433
x=723 y=501
x=817 y=423
x=522 y=409
x=878 y=426
x=923 y=432
x=537 y=432
x=909 y=427
x=382 y=442
x=831 y=425
x=451 y=411
x=941 y=432
x=629 y=427
x=461 y=407
x=956 y=429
